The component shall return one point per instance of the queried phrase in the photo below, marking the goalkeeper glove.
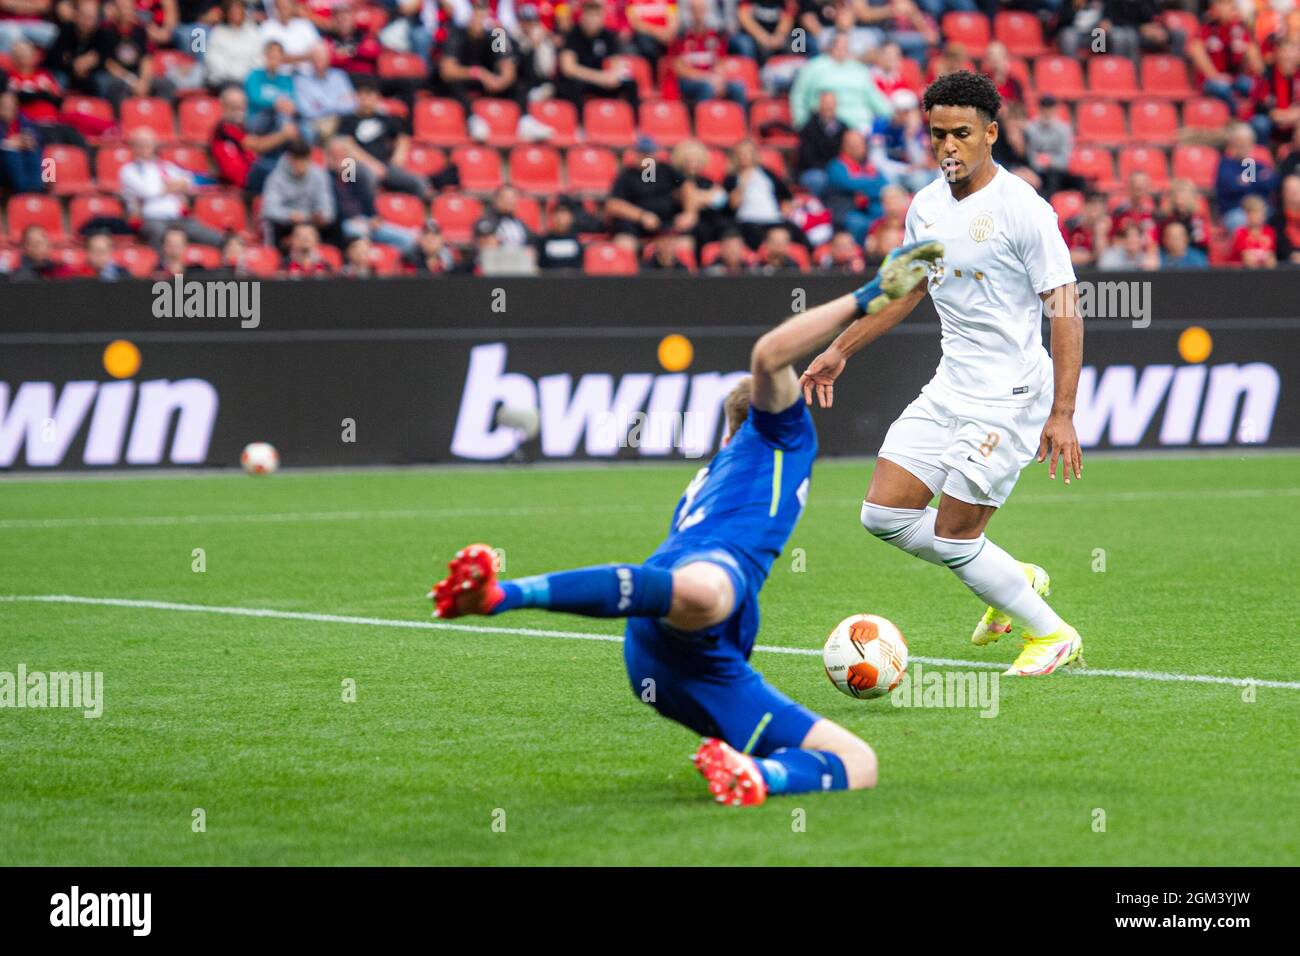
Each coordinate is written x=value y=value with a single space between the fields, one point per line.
x=898 y=275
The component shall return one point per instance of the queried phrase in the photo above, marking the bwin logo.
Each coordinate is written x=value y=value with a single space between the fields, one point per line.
x=75 y=909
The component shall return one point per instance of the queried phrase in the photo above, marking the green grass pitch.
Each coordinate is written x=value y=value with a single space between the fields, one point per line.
x=453 y=731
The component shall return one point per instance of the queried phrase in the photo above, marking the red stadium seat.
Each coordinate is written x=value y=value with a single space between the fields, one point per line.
x=91 y=106
x=331 y=256
x=502 y=118
x=665 y=121
x=205 y=257
x=70 y=169
x=440 y=121
x=1205 y=112
x=591 y=170
x=456 y=214
x=199 y=116
x=262 y=261
x=167 y=60
x=187 y=157
x=535 y=169
x=608 y=122
x=82 y=209
x=71 y=255
x=372 y=19
x=401 y=209
x=109 y=161
x=796 y=252
x=149 y=111
x=1200 y=164
x=1153 y=121
x=385 y=260
x=529 y=211
x=402 y=66
x=1112 y=77
x=1144 y=159
x=392 y=106
x=424 y=160
x=1100 y=121
x=683 y=254
x=745 y=70
x=1165 y=75
x=608 y=259
x=559 y=115
x=1067 y=203
x=773 y=160
x=716 y=166
x=33 y=209
x=719 y=123
x=1059 y=75
x=1019 y=32
x=1093 y=164
x=769 y=113
x=969 y=29
x=221 y=210
x=480 y=168
x=140 y=261
x=639 y=68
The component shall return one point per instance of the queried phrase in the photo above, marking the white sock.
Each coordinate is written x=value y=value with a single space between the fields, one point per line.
x=999 y=580
x=909 y=529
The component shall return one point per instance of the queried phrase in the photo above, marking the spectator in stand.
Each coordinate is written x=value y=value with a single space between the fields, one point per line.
x=1088 y=233
x=297 y=191
x=322 y=95
x=1176 y=253
x=952 y=59
x=305 y=259
x=819 y=143
x=383 y=140
x=1136 y=251
x=696 y=55
x=765 y=27
x=99 y=259
x=1011 y=150
x=904 y=23
x=639 y=207
x=504 y=222
x=234 y=256
x=74 y=57
x=1225 y=54
x=431 y=253
x=654 y=25
x=858 y=100
x=28 y=20
x=1276 y=97
x=173 y=254
x=888 y=71
x=270 y=91
x=1241 y=174
x=582 y=71
x=1254 y=244
x=997 y=66
x=560 y=247
x=816 y=18
x=354 y=200
x=1139 y=205
x=894 y=201
x=1130 y=26
x=667 y=255
x=20 y=149
x=758 y=199
x=734 y=257
x=354 y=50
x=539 y=54
x=703 y=202
x=1290 y=163
x=356 y=259
x=842 y=254
x=234 y=47
x=242 y=158
x=774 y=256
x=1049 y=141
x=883 y=241
x=485 y=238
x=295 y=33
x=36 y=262
x=156 y=191
x=853 y=190
x=38 y=92
x=1286 y=222
x=477 y=61
x=1182 y=204
x=907 y=158
x=127 y=67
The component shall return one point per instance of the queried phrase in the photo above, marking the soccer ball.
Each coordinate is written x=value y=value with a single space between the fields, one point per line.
x=865 y=656
x=259 y=458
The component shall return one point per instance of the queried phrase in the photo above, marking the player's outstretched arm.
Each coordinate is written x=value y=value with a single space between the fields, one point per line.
x=1059 y=438
x=775 y=386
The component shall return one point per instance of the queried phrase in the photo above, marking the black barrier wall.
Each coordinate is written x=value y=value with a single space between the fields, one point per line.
x=338 y=372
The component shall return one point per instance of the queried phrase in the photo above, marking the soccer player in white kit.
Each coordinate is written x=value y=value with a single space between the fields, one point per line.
x=997 y=400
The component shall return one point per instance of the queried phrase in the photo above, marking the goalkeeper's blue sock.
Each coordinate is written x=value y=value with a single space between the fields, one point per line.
x=802 y=771
x=608 y=590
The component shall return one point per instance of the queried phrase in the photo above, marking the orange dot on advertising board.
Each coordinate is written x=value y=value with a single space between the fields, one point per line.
x=1195 y=344
x=676 y=352
x=121 y=359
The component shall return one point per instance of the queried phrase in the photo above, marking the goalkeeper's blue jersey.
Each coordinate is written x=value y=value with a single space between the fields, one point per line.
x=748 y=499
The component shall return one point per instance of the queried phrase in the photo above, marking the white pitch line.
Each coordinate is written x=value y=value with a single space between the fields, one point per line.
x=583 y=636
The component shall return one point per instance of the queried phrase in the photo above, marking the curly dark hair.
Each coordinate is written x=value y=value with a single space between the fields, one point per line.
x=964 y=88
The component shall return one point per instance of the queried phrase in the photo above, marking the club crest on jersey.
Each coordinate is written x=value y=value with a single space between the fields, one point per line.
x=981 y=227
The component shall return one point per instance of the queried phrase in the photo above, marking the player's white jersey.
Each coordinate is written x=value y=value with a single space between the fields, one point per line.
x=1002 y=247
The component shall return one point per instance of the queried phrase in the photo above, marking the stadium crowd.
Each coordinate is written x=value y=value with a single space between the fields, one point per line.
x=155 y=137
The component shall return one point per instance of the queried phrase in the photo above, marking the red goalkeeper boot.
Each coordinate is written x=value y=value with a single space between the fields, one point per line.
x=470 y=586
x=733 y=777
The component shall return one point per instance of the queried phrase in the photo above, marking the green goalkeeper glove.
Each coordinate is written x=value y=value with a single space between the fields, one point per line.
x=898 y=275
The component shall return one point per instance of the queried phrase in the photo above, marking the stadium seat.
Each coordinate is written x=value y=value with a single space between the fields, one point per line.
x=69 y=254
x=479 y=166
x=440 y=122
x=767 y=113
x=221 y=210
x=109 y=161
x=401 y=209
x=372 y=19
x=91 y=107
x=716 y=166
x=262 y=261
x=87 y=206
x=773 y=160
x=1147 y=160
x=665 y=121
x=199 y=116
x=796 y=252
x=70 y=169
x=591 y=169
x=1206 y=112
x=1153 y=121
x=608 y=122
x=1067 y=203
x=1100 y=121
x=1165 y=75
x=529 y=211
x=1093 y=164
x=1198 y=163
x=191 y=158
x=332 y=256
x=502 y=118
x=639 y=68
x=385 y=260
x=10 y=258
x=166 y=61
x=745 y=70
x=912 y=73
x=535 y=169
x=559 y=115
x=456 y=213
x=149 y=111
x=424 y=160
x=971 y=30
x=140 y=261
x=1112 y=76
x=34 y=209
x=608 y=259
x=392 y=106
x=683 y=254
x=1019 y=32
x=402 y=66
x=1059 y=75
x=719 y=123
x=205 y=257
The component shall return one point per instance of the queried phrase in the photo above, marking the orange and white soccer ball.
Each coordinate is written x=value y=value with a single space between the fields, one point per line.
x=259 y=458
x=865 y=656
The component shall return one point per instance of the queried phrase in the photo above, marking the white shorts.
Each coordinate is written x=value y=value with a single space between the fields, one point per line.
x=972 y=452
